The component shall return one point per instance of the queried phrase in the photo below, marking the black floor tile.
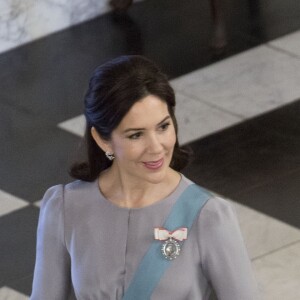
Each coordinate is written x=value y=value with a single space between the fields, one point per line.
x=262 y=20
x=280 y=198
x=22 y=285
x=35 y=153
x=253 y=157
x=17 y=244
x=28 y=168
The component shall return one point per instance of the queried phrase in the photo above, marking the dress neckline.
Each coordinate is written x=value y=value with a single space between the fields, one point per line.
x=178 y=189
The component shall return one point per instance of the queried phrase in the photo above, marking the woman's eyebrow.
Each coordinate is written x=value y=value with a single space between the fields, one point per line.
x=165 y=119
x=139 y=129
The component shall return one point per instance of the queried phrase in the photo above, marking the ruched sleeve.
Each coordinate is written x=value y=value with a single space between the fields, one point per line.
x=225 y=260
x=52 y=267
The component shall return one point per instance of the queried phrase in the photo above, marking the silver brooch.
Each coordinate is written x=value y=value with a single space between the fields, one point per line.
x=170 y=249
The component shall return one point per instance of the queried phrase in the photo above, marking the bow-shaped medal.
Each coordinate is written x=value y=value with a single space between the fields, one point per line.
x=170 y=248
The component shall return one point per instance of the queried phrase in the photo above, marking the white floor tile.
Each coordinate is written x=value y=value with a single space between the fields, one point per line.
x=197 y=119
x=290 y=43
x=246 y=84
x=278 y=274
x=10 y=203
x=262 y=233
x=10 y=294
x=38 y=203
x=75 y=125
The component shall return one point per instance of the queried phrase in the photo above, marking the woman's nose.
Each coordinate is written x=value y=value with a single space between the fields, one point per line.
x=155 y=144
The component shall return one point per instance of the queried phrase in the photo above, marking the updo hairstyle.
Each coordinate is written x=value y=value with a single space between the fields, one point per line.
x=113 y=89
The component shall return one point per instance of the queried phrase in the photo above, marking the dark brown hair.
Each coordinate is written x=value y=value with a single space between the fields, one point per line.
x=113 y=89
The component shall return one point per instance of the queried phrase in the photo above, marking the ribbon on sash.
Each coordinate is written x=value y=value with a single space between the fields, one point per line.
x=153 y=265
x=163 y=234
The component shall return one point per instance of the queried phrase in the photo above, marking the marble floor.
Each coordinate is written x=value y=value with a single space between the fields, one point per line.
x=238 y=109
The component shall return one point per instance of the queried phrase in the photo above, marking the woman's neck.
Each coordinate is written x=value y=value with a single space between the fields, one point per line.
x=127 y=192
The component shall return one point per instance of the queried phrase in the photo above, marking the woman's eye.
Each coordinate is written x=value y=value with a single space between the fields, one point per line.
x=165 y=126
x=135 y=136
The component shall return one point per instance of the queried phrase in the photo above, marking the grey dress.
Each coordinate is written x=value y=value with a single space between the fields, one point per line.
x=88 y=248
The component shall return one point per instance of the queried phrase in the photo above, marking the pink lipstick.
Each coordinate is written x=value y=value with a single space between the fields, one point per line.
x=154 y=165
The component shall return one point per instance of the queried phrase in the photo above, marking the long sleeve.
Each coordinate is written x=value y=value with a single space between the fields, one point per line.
x=224 y=257
x=52 y=267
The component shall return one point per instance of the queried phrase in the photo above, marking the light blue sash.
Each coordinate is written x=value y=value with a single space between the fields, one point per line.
x=153 y=265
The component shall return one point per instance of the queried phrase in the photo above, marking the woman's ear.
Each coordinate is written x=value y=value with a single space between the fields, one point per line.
x=103 y=144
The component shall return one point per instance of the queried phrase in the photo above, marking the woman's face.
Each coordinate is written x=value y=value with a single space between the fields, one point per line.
x=143 y=143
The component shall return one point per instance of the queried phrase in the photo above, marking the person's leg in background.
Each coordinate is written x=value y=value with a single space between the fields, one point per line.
x=219 y=37
x=120 y=5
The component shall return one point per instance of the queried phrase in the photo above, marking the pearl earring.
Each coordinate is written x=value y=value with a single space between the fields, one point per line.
x=110 y=156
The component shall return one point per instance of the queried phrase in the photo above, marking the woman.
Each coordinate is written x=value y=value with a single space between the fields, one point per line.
x=131 y=226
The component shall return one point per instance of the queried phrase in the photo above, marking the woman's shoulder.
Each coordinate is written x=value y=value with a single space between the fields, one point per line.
x=216 y=201
x=215 y=206
x=79 y=186
x=77 y=189
x=217 y=216
x=218 y=205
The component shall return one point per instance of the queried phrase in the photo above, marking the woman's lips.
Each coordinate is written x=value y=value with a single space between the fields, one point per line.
x=154 y=165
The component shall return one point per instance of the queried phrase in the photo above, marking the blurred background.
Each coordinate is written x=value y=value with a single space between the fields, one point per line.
x=235 y=68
